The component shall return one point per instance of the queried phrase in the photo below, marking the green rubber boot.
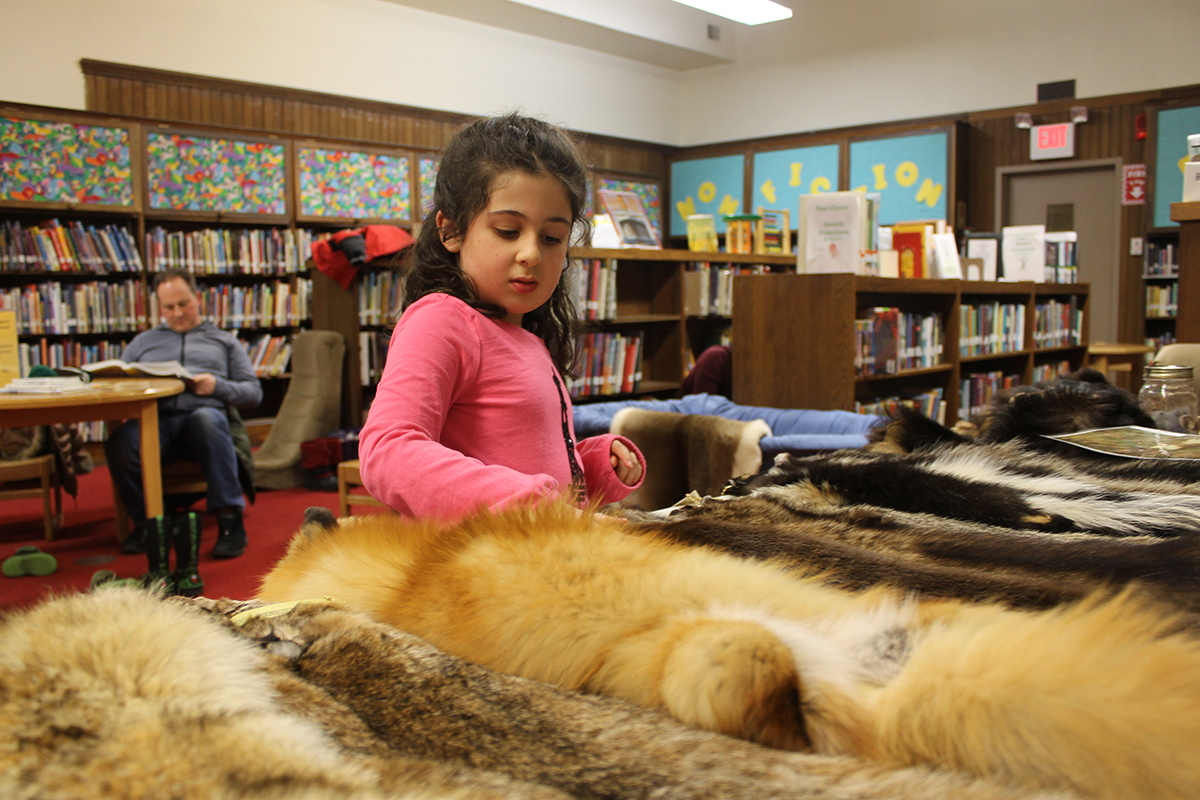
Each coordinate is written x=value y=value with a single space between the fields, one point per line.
x=156 y=534
x=185 y=530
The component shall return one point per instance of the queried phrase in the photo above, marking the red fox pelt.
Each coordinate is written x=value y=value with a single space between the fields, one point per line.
x=1101 y=696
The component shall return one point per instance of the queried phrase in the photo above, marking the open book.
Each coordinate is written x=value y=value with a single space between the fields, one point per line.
x=116 y=368
x=1134 y=441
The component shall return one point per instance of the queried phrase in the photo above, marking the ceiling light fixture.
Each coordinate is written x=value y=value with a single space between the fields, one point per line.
x=747 y=12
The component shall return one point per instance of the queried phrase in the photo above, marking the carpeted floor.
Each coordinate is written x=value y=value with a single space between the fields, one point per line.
x=87 y=541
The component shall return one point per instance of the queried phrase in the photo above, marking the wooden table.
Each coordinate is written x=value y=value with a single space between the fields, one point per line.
x=1120 y=358
x=110 y=399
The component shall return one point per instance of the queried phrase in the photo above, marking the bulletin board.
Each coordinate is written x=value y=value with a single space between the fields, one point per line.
x=781 y=176
x=706 y=186
x=1170 y=152
x=427 y=168
x=910 y=172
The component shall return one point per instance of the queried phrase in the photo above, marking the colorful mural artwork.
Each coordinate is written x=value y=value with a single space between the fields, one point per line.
x=348 y=183
x=427 y=176
x=62 y=162
x=706 y=186
x=196 y=173
x=647 y=192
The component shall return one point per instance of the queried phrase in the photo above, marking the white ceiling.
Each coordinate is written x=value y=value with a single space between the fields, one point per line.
x=660 y=32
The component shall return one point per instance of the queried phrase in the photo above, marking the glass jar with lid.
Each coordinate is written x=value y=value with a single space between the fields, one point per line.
x=1168 y=395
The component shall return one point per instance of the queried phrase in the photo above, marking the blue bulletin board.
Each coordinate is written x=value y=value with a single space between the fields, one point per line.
x=781 y=176
x=1170 y=151
x=909 y=172
x=706 y=186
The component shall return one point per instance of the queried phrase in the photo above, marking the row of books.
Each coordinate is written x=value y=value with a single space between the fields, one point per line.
x=931 y=404
x=1162 y=300
x=225 y=251
x=1162 y=260
x=595 y=288
x=261 y=305
x=610 y=363
x=1051 y=370
x=93 y=307
x=1058 y=324
x=270 y=356
x=708 y=287
x=991 y=328
x=74 y=247
x=1161 y=341
x=976 y=390
x=380 y=293
x=372 y=348
x=888 y=340
x=47 y=353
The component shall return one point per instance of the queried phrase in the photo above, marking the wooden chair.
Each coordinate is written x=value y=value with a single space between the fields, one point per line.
x=348 y=478
x=178 y=477
x=34 y=477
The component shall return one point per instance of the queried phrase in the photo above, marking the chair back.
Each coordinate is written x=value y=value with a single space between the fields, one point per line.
x=311 y=408
x=1183 y=355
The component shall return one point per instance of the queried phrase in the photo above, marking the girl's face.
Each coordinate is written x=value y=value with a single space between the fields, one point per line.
x=516 y=248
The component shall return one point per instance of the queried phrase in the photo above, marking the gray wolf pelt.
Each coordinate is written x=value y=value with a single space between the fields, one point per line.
x=122 y=695
x=1101 y=696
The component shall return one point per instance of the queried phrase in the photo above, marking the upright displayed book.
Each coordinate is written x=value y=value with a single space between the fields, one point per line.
x=986 y=248
x=629 y=218
x=702 y=233
x=1023 y=253
x=837 y=232
x=10 y=358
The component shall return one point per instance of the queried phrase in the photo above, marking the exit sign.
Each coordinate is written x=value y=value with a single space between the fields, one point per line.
x=1052 y=141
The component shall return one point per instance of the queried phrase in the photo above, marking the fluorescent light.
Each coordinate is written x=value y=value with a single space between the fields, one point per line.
x=747 y=12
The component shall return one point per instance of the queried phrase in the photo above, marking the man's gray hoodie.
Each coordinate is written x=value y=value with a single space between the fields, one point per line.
x=205 y=348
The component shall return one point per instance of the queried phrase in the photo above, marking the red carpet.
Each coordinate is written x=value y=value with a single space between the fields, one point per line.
x=87 y=542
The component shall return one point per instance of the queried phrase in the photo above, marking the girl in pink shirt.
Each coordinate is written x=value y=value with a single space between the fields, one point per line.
x=472 y=411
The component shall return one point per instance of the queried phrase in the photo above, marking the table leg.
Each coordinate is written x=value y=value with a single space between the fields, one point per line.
x=151 y=459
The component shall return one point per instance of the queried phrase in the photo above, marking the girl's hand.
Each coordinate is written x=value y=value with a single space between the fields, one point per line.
x=625 y=463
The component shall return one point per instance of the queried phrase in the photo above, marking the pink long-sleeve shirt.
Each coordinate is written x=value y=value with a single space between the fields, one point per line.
x=467 y=416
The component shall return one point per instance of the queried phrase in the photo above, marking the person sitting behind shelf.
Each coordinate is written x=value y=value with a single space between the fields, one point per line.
x=472 y=412
x=712 y=373
x=202 y=424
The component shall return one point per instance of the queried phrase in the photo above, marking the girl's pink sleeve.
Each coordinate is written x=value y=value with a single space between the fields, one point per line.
x=603 y=485
x=432 y=355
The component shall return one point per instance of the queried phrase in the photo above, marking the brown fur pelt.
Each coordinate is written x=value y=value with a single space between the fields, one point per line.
x=1099 y=696
x=121 y=695
x=966 y=520
x=1077 y=401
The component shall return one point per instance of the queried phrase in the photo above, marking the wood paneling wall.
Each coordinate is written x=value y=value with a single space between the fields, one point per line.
x=987 y=140
x=179 y=97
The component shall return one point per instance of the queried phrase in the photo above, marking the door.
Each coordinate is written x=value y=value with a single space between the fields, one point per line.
x=1083 y=197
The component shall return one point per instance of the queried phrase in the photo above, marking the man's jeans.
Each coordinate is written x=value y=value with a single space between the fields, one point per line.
x=201 y=435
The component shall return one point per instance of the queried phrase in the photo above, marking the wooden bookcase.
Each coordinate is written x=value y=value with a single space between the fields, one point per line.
x=794 y=337
x=1187 y=323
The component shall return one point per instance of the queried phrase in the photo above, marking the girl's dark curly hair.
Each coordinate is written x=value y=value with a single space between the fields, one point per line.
x=470 y=164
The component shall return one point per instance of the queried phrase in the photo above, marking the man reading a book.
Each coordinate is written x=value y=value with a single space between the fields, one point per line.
x=193 y=425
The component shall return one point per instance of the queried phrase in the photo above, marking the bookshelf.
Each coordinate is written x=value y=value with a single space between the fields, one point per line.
x=651 y=303
x=1160 y=281
x=1187 y=324
x=794 y=342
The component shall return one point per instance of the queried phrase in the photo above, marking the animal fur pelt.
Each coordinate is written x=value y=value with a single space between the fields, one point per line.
x=121 y=695
x=1074 y=402
x=1100 y=696
x=970 y=521
x=688 y=452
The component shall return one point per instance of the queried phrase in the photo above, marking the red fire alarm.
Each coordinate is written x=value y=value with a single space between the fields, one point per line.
x=1139 y=126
